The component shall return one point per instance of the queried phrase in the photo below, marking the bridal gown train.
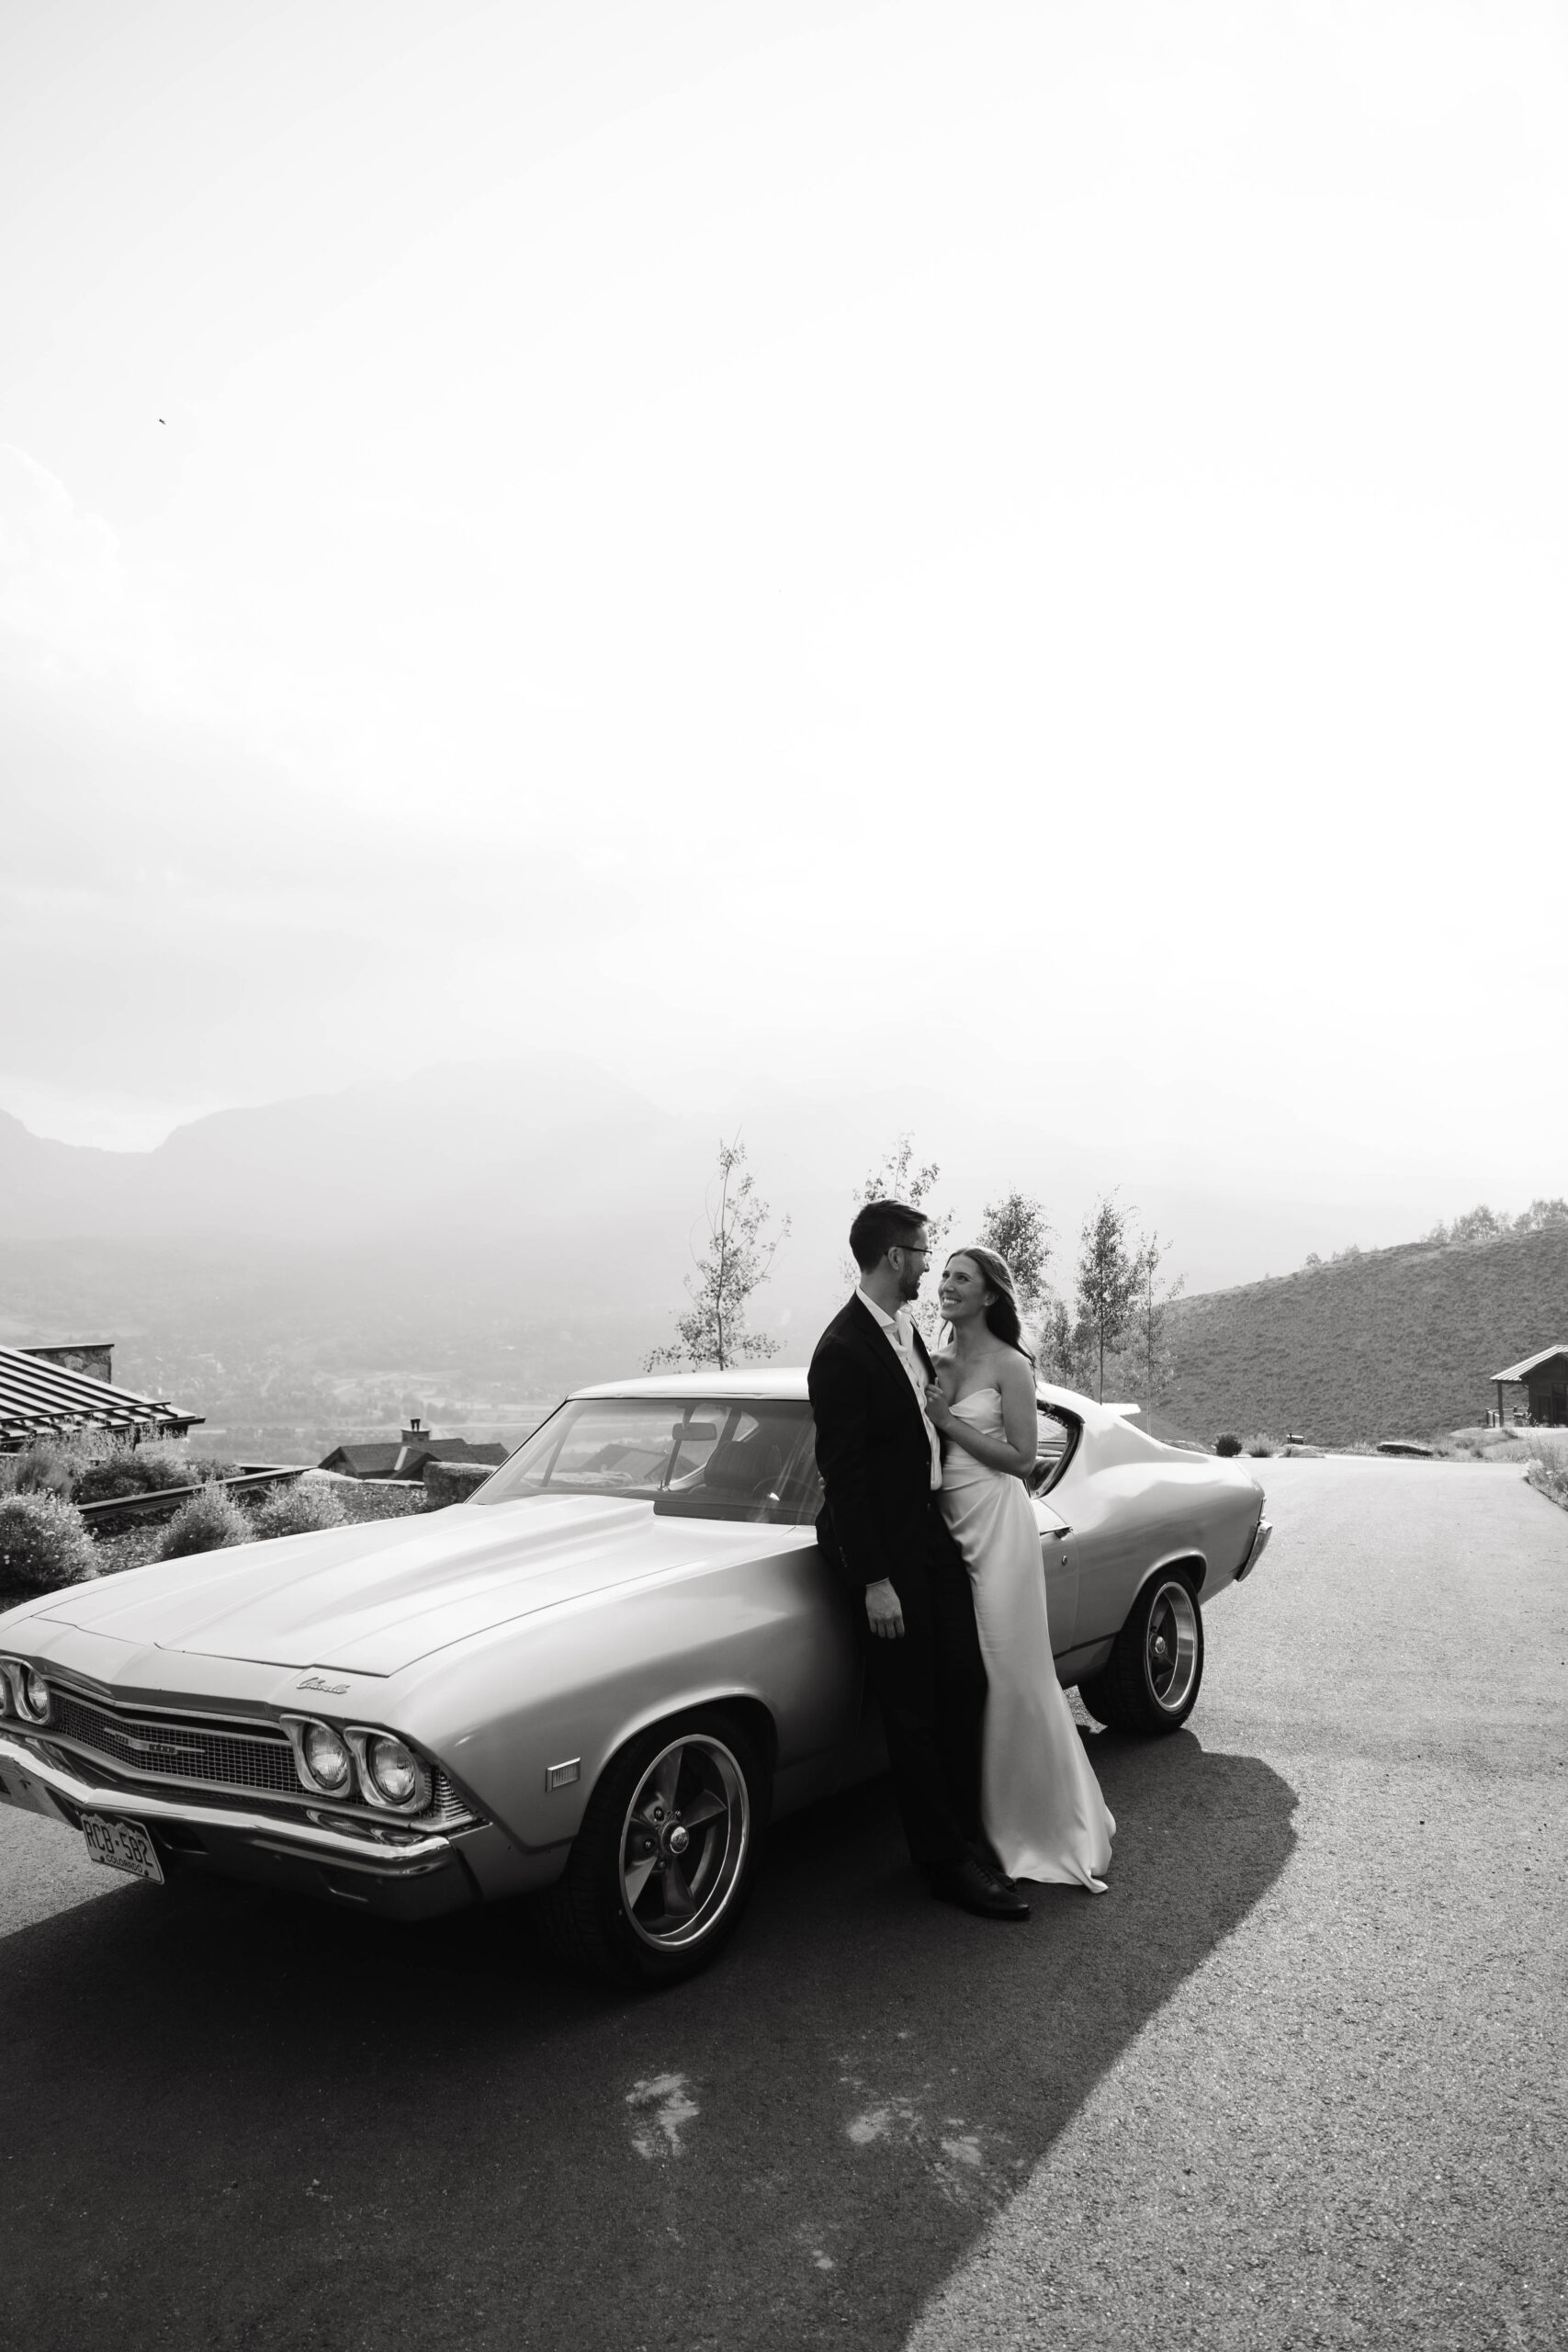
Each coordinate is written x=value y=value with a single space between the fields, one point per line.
x=1040 y=1800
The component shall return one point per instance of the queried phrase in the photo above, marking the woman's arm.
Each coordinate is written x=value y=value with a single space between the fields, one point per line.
x=1017 y=1450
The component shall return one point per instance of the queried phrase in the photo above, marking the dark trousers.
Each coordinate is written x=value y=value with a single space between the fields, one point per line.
x=931 y=1686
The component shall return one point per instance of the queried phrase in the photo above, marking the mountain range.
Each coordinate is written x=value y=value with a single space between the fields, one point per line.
x=471 y=1239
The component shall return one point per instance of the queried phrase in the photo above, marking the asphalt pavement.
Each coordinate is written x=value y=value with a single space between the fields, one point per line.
x=1298 y=2079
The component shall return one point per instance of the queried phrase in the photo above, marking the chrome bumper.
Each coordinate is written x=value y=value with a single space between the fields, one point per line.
x=1260 y=1545
x=409 y=1872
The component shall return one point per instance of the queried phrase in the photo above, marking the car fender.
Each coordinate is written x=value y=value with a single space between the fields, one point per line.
x=674 y=1708
x=510 y=1719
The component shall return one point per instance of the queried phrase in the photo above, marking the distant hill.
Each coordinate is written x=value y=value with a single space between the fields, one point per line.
x=1384 y=1343
x=469 y=1239
x=444 y=1155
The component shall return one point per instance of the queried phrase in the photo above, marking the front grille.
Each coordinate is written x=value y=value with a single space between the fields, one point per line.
x=256 y=1762
x=177 y=1752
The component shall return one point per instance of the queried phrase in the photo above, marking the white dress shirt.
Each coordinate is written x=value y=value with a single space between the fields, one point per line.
x=900 y=1331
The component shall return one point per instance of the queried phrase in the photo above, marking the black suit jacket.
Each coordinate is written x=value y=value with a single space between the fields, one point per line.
x=872 y=1448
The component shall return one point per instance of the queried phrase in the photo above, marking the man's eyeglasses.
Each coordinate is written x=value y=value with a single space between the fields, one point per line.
x=912 y=1249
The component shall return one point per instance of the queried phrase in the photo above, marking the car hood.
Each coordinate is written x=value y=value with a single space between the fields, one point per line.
x=371 y=1599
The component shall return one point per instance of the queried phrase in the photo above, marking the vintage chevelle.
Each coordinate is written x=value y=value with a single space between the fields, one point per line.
x=593 y=1682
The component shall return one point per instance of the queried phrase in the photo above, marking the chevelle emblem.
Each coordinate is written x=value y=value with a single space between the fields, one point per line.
x=314 y=1682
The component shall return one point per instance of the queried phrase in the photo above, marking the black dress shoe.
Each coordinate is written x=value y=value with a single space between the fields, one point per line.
x=976 y=1889
x=991 y=1861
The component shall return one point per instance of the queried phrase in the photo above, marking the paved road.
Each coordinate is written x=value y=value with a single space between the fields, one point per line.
x=1298 y=2079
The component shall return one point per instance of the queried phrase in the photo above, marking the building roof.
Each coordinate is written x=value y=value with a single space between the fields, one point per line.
x=401 y=1458
x=361 y=1461
x=1526 y=1364
x=42 y=1399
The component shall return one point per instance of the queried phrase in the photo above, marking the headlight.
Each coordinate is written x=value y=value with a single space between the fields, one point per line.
x=33 y=1692
x=393 y=1775
x=327 y=1760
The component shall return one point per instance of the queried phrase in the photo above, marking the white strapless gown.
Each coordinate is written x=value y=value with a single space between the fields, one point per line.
x=1040 y=1800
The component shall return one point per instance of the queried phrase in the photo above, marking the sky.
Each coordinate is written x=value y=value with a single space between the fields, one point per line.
x=1021 y=549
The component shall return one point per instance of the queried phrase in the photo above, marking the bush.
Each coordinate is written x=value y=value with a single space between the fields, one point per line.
x=454 y=1482
x=208 y=1522
x=1548 y=1471
x=43 y=1542
x=1259 y=1446
x=370 y=1498
x=1227 y=1444
x=47 y=1466
x=299 y=1509
x=133 y=1470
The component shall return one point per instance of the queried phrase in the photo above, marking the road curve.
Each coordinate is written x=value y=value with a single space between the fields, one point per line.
x=1297 y=2079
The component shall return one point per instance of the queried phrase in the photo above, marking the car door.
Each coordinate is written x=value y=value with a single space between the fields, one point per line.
x=1059 y=1562
x=1057 y=1442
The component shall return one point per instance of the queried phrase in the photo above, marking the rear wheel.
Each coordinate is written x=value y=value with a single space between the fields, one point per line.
x=1150 y=1682
x=663 y=1865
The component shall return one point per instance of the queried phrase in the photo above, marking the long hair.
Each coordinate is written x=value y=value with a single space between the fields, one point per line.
x=1002 y=1319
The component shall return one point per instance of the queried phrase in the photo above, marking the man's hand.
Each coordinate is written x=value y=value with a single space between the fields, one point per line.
x=884 y=1610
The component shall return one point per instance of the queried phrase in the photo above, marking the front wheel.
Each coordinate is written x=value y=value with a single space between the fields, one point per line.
x=663 y=1865
x=1150 y=1681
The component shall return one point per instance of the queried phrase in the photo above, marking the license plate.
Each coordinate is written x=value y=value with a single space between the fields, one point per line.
x=123 y=1845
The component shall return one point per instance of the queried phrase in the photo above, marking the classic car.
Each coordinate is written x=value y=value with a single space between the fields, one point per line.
x=594 y=1682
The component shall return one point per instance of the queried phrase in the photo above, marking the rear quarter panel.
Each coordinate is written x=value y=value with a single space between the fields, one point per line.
x=1135 y=1506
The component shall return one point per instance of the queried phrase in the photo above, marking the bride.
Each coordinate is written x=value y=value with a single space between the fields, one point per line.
x=1039 y=1800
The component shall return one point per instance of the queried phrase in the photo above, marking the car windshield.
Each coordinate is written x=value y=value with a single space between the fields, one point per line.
x=693 y=1458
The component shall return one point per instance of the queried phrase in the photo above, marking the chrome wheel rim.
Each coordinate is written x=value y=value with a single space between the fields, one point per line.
x=684 y=1842
x=1170 y=1647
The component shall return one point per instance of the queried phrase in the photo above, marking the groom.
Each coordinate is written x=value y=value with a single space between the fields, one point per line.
x=881 y=1465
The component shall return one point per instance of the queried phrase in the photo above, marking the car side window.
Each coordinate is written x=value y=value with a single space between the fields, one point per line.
x=762 y=1468
x=1059 y=1436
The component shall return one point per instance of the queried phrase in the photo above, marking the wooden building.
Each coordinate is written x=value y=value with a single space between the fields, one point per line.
x=1544 y=1377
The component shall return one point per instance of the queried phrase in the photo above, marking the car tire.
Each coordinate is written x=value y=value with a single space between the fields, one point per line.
x=1150 y=1682
x=662 y=1866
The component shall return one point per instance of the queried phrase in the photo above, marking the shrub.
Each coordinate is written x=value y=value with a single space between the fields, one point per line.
x=133 y=1470
x=208 y=1522
x=369 y=1499
x=43 y=1542
x=1548 y=1471
x=47 y=1466
x=298 y=1510
x=1259 y=1446
x=1227 y=1444
x=453 y=1482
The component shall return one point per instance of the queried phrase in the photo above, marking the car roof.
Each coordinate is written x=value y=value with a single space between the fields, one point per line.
x=768 y=1383
x=776 y=1383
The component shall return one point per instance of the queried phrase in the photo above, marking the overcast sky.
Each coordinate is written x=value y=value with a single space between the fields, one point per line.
x=1020 y=546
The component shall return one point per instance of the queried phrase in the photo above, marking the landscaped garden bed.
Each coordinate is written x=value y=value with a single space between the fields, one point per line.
x=72 y=1511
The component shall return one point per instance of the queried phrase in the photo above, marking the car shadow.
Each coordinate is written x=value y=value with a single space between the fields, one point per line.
x=235 y=2121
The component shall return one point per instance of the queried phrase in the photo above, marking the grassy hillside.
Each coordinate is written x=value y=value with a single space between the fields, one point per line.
x=1387 y=1344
